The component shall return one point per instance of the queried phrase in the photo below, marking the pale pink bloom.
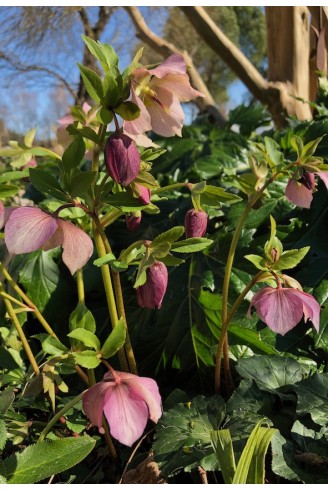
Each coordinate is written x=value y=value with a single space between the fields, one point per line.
x=29 y=229
x=283 y=308
x=127 y=401
x=158 y=93
x=30 y=164
x=300 y=192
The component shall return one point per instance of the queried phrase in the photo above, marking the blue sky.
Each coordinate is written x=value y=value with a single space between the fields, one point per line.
x=29 y=102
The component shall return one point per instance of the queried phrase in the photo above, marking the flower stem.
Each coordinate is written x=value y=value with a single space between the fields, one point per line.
x=59 y=414
x=80 y=286
x=225 y=290
x=110 y=217
x=170 y=187
x=108 y=289
x=37 y=313
x=97 y=147
x=14 y=300
x=17 y=325
x=225 y=326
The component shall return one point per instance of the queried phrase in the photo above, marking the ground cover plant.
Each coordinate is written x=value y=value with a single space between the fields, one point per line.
x=164 y=295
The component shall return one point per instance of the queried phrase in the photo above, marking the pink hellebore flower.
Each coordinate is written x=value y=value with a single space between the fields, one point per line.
x=29 y=229
x=283 y=308
x=127 y=401
x=158 y=93
x=151 y=294
x=300 y=191
x=122 y=158
x=133 y=221
x=195 y=223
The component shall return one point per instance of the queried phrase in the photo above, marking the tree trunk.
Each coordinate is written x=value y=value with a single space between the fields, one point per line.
x=288 y=60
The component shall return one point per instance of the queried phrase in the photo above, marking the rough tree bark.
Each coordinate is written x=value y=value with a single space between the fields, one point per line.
x=165 y=49
x=288 y=54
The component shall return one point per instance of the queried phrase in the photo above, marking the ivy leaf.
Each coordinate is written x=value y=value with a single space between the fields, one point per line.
x=115 y=340
x=39 y=461
x=88 y=338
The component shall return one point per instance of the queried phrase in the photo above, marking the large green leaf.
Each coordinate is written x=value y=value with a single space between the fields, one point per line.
x=115 y=340
x=312 y=394
x=45 y=182
x=39 y=461
x=270 y=372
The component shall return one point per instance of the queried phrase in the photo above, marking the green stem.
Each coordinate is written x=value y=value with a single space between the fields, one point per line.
x=17 y=325
x=170 y=187
x=59 y=414
x=80 y=286
x=108 y=289
x=225 y=326
x=225 y=290
x=110 y=217
x=120 y=308
x=14 y=300
x=36 y=313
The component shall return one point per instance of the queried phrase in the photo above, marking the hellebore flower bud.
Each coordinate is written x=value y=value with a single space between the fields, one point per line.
x=140 y=192
x=195 y=223
x=151 y=294
x=133 y=220
x=122 y=158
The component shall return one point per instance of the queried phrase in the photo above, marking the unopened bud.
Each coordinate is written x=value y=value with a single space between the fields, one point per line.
x=122 y=158
x=308 y=180
x=195 y=223
x=151 y=294
x=133 y=220
x=140 y=192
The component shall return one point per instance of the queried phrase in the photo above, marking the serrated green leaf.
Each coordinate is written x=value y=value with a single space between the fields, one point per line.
x=290 y=259
x=53 y=346
x=81 y=183
x=115 y=340
x=45 y=182
x=92 y=83
x=168 y=236
x=89 y=339
x=128 y=111
x=191 y=245
x=275 y=157
x=87 y=359
x=160 y=251
x=170 y=260
x=81 y=317
x=258 y=261
x=297 y=144
x=39 y=461
x=3 y=434
x=104 y=260
x=8 y=190
x=73 y=154
x=216 y=196
x=15 y=175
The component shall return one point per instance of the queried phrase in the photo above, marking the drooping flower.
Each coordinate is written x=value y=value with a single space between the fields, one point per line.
x=122 y=158
x=158 y=93
x=151 y=294
x=133 y=220
x=283 y=308
x=195 y=223
x=127 y=401
x=300 y=192
x=141 y=192
x=29 y=229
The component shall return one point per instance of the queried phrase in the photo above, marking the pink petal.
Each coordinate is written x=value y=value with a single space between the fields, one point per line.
x=173 y=64
x=77 y=246
x=179 y=85
x=27 y=229
x=5 y=213
x=94 y=400
x=311 y=309
x=167 y=116
x=298 y=194
x=324 y=177
x=66 y=120
x=278 y=309
x=54 y=241
x=142 y=123
x=147 y=388
x=127 y=414
x=86 y=108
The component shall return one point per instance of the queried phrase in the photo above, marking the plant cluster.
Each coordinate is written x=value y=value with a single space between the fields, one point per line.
x=124 y=262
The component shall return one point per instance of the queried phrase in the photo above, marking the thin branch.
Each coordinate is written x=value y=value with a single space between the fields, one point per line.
x=88 y=30
x=166 y=48
x=23 y=68
x=103 y=18
x=228 y=51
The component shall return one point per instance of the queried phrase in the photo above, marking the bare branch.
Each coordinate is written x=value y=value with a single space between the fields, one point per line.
x=228 y=51
x=103 y=18
x=22 y=67
x=165 y=48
